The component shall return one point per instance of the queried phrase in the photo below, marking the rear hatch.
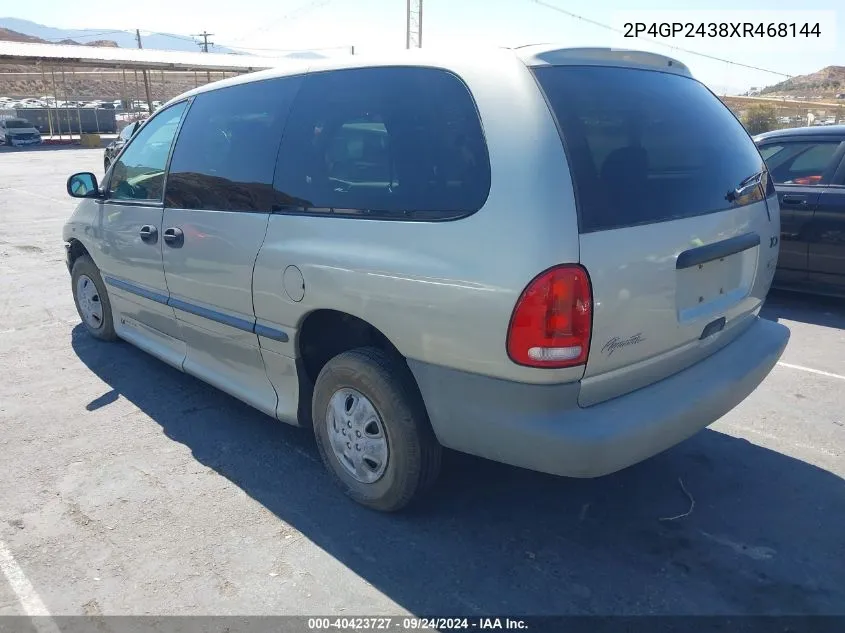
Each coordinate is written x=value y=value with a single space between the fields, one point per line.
x=677 y=220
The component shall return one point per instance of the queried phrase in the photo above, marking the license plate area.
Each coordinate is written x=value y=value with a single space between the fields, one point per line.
x=709 y=288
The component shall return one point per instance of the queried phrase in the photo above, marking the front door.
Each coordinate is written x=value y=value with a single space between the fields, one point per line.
x=827 y=249
x=797 y=206
x=217 y=207
x=129 y=240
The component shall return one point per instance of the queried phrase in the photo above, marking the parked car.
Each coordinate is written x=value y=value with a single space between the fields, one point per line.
x=807 y=165
x=113 y=148
x=17 y=132
x=406 y=256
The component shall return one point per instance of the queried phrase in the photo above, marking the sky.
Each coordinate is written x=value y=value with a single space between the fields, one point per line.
x=373 y=25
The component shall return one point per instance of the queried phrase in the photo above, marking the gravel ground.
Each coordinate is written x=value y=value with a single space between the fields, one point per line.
x=129 y=488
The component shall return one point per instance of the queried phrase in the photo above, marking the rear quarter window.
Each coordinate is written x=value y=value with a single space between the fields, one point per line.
x=645 y=146
x=387 y=143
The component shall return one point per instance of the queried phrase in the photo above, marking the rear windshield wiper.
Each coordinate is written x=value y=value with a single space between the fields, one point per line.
x=752 y=181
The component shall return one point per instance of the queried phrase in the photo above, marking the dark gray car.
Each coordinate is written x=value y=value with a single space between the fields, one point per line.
x=807 y=165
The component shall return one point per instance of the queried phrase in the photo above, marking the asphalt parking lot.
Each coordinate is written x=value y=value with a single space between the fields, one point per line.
x=129 y=488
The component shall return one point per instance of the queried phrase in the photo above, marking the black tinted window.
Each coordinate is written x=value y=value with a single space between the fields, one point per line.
x=646 y=146
x=385 y=142
x=226 y=151
x=799 y=163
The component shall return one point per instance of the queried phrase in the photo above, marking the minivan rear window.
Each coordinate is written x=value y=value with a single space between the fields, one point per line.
x=646 y=146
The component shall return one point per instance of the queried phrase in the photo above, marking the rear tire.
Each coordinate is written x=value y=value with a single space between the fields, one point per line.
x=370 y=396
x=92 y=299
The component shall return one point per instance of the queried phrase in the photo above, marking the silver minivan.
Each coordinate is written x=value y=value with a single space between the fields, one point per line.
x=552 y=258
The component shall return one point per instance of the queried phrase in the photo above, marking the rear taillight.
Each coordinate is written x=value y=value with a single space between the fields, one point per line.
x=551 y=322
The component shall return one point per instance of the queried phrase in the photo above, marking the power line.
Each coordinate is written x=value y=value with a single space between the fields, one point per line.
x=81 y=36
x=292 y=15
x=177 y=37
x=658 y=42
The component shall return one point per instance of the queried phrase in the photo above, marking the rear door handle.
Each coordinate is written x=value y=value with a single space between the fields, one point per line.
x=148 y=233
x=174 y=237
x=798 y=201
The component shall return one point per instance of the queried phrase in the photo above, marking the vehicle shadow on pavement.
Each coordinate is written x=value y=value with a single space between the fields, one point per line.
x=804 y=308
x=765 y=534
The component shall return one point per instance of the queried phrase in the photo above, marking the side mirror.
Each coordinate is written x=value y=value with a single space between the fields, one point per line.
x=83 y=185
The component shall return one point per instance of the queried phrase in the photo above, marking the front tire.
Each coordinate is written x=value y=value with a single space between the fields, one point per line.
x=372 y=429
x=92 y=299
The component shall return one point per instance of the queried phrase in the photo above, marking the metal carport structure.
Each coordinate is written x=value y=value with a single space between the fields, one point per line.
x=52 y=62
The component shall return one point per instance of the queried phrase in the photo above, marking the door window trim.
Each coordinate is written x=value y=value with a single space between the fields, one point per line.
x=149 y=203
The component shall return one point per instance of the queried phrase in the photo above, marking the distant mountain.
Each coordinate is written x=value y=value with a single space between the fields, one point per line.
x=825 y=83
x=8 y=35
x=121 y=39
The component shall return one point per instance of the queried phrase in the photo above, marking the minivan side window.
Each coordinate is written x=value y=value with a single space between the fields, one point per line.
x=139 y=172
x=226 y=151
x=799 y=163
x=387 y=142
x=646 y=146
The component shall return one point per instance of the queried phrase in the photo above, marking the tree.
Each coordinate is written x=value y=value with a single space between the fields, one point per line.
x=760 y=118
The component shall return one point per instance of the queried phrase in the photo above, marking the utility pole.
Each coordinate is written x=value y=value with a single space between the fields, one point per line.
x=413 y=23
x=204 y=46
x=144 y=73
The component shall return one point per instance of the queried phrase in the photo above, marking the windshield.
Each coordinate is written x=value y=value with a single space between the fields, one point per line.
x=646 y=146
x=19 y=124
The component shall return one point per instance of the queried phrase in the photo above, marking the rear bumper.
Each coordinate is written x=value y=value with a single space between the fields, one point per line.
x=541 y=427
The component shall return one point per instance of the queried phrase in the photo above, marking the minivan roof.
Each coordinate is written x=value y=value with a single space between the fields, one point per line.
x=454 y=59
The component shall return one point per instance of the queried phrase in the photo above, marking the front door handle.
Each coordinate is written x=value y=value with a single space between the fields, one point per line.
x=798 y=201
x=148 y=233
x=174 y=237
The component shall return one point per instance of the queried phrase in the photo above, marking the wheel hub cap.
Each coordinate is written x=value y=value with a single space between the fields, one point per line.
x=357 y=435
x=88 y=299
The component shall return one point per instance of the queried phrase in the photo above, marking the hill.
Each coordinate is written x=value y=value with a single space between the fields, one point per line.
x=823 y=84
x=8 y=35
x=122 y=39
